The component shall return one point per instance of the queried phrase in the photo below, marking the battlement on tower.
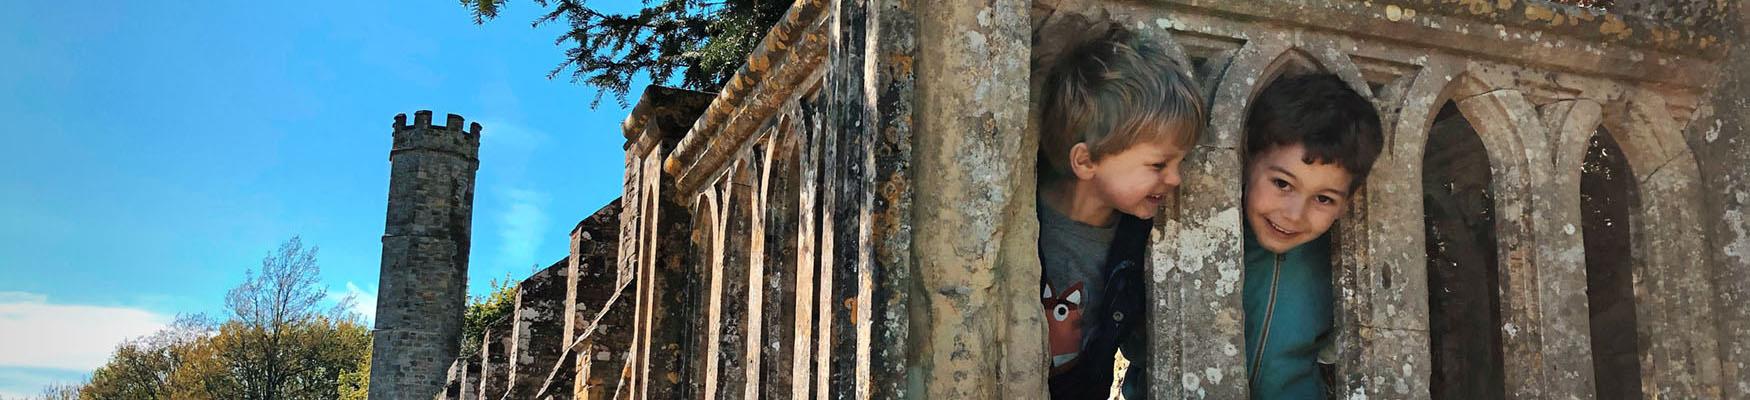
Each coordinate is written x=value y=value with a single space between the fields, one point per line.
x=449 y=137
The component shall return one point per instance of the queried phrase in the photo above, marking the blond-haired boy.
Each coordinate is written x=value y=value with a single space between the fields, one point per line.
x=1117 y=117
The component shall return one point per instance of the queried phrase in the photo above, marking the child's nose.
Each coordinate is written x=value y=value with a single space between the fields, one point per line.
x=1170 y=177
x=1294 y=210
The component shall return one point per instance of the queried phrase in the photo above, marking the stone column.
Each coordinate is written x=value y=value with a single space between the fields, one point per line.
x=462 y=380
x=536 y=329
x=1721 y=139
x=653 y=243
x=592 y=274
x=424 y=278
x=977 y=324
x=495 y=357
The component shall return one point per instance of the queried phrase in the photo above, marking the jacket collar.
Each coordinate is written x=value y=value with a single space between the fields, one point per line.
x=1255 y=248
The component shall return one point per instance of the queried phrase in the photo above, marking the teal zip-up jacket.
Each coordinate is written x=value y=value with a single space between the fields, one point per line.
x=1288 y=316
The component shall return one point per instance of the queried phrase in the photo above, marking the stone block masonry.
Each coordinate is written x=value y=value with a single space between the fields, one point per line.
x=424 y=277
x=852 y=216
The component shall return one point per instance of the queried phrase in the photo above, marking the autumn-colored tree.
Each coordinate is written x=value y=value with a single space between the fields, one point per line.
x=155 y=366
x=356 y=384
x=278 y=343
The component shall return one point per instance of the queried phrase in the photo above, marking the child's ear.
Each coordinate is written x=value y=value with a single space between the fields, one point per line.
x=1081 y=161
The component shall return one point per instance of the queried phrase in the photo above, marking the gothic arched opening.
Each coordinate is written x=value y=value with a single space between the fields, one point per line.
x=1463 y=300
x=1607 y=201
x=780 y=225
x=698 y=349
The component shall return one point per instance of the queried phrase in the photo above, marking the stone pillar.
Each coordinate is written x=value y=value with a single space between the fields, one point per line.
x=424 y=278
x=602 y=353
x=599 y=335
x=592 y=278
x=495 y=346
x=463 y=380
x=654 y=241
x=1721 y=139
x=536 y=329
x=978 y=326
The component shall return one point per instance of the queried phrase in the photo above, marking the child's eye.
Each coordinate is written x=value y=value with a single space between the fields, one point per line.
x=1280 y=184
x=1326 y=200
x=1158 y=166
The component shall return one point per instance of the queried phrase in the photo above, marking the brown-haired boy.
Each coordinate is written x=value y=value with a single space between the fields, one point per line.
x=1310 y=142
x=1117 y=117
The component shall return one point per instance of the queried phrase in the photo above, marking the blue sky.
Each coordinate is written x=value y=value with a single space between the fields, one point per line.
x=153 y=151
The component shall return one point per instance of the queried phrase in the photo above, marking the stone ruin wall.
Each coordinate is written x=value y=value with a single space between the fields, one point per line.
x=852 y=216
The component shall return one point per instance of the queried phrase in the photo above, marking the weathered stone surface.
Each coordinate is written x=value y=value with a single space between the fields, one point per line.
x=790 y=249
x=1680 y=357
x=777 y=265
x=663 y=316
x=888 y=284
x=495 y=359
x=463 y=381
x=424 y=276
x=592 y=273
x=1721 y=138
x=606 y=350
x=977 y=323
x=536 y=329
x=1503 y=119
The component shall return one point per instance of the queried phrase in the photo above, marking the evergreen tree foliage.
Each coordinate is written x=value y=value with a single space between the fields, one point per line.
x=705 y=41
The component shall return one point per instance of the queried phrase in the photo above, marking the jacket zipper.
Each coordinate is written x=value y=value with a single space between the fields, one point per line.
x=1269 y=314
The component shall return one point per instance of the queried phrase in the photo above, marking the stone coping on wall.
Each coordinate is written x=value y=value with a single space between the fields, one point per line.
x=775 y=71
x=662 y=114
x=1532 y=32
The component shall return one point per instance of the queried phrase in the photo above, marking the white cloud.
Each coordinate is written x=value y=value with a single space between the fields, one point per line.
x=363 y=302
x=520 y=226
x=41 y=334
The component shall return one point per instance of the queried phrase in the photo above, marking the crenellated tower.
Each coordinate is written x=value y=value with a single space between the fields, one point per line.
x=422 y=288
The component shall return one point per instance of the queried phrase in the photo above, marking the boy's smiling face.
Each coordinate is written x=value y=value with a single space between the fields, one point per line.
x=1290 y=202
x=1134 y=181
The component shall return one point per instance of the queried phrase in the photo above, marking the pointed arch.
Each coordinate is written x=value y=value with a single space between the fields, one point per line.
x=1666 y=230
x=707 y=239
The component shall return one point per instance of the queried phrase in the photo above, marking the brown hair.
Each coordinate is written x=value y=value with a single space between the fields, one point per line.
x=1322 y=113
x=1111 y=93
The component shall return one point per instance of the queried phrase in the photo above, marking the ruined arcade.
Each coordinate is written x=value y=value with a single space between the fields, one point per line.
x=1560 y=204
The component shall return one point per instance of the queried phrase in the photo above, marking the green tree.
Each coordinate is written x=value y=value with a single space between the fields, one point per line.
x=706 y=41
x=484 y=310
x=278 y=343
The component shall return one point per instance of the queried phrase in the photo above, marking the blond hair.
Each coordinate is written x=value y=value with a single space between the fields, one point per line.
x=1114 y=92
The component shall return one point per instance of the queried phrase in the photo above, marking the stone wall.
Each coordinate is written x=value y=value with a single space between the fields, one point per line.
x=537 y=324
x=1537 y=80
x=568 y=332
x=852 y=216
